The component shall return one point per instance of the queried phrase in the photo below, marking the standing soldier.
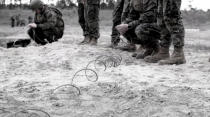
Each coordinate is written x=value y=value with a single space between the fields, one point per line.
x=48 y=24
x=172 y=30
x=88 y=11
x=30 y=19
x=141 y=28
x=119 y=15
x=17 y=19
x=12 y=21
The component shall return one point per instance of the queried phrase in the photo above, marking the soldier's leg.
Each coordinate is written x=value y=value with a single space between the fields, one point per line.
x=81 y=16
x=55 y=35
x=165 y=38
x=117 y=13
x=51 y=35
x=149 y=35
x=83 y=23
x=37 y=35
x=173 y=21
x=131 y=38
x=93 y=7
x=165 y=42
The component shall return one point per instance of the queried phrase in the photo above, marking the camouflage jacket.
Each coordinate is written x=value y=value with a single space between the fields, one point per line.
x=97 y=2
x=49 y=18
x=126 y=9
x=142 y=11
x=79 y=1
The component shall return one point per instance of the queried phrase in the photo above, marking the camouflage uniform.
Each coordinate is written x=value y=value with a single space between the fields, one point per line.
x=50 y=26
x=12 y=21
x=30 y=19
x=17 y=19
x=88 y=11
x=170 y=21
x=142 y=23
x=172 y=29
x=120 y=13
x=81 y=15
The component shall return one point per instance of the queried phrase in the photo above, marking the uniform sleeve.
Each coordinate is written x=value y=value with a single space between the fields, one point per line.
x=131 y=16
x=148 y=16
x=51 y=21
x=125 y=12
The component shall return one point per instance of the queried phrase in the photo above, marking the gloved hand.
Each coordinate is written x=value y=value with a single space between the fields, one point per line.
x=32 y=25
x=122 y=28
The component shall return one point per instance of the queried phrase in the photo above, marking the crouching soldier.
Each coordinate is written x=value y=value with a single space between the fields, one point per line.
x=141 y=27
x=48 y=24
x=12 y=21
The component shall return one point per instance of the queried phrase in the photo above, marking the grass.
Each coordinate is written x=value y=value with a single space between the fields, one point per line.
x=71 y=19
x=70 y=16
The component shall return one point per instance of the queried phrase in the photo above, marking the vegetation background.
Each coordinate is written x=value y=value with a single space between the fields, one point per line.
x=193 y=18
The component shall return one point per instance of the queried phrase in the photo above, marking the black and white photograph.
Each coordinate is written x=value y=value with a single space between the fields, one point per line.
x=104 y=58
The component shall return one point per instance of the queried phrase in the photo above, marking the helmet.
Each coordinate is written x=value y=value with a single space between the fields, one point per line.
x=36 y=4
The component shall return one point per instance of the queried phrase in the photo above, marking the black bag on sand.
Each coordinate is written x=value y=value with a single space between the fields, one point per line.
x=19 y=43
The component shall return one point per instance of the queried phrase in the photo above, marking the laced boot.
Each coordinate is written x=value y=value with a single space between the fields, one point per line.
x=93 y=41
x=162 y=54
x=139 y=50
x=177 y=57
x=85 y=41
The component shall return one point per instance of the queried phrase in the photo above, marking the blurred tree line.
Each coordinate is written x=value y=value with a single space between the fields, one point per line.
x=63 y=4
x=193 y=17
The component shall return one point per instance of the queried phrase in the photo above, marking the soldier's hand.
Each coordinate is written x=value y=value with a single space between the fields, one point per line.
x=122 y=28
x=32 y=25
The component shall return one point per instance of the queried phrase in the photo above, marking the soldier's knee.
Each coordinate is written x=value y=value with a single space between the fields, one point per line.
x=139 y=31
x=30 y=32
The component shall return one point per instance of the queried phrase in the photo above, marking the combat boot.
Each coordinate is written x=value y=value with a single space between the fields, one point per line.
x=113 y=45
x=85 y=41
x=141 y=49
x=162 y=54
x=177 y=57
x=93 y=41
x=129 y=47
x=149 y=51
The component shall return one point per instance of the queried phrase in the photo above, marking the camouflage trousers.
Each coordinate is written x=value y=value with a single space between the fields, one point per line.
x=145 y=34
x=131 y=37
x=117 y=14
x=148 y=34
x=89 y=19
x=170 y=22
x=39 y=35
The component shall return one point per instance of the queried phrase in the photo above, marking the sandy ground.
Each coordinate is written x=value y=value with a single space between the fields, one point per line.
x=28 y=77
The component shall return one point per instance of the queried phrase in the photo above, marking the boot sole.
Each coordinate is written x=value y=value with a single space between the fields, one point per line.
x=175 y=63
x=154 y=61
